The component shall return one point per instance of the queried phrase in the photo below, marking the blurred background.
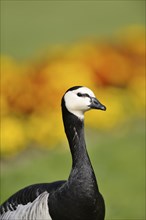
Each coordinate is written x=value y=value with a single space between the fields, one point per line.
x=49 y=46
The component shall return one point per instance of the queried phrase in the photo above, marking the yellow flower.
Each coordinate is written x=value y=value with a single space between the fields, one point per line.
x=12 y=136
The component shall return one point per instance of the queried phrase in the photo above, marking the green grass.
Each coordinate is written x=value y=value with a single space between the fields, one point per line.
x=118 y=158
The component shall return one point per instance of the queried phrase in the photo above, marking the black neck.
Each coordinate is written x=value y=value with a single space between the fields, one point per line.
x=74 y=129
x=79 y=197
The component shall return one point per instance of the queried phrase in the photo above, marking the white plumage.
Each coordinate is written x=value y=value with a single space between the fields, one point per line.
x=76 y=104
x=37 y=210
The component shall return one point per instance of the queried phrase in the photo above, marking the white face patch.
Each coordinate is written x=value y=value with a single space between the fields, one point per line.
x=77 y=102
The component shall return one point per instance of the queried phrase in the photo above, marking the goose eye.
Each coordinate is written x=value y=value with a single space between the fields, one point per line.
x=82 y=95
x=79 y=94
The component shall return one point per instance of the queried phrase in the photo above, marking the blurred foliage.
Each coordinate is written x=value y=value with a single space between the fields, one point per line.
x=31 y=92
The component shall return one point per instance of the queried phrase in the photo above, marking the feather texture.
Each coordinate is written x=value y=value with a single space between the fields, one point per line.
x=36 y=210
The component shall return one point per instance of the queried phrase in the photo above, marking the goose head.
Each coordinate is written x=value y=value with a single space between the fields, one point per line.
x=79 y=99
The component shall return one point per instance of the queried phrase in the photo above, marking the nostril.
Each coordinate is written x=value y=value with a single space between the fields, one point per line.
x=96 y=102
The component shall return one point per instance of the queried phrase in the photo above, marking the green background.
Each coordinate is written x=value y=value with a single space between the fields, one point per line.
x=30 y=26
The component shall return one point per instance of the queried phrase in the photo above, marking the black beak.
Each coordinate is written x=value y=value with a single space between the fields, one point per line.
x=95 y=104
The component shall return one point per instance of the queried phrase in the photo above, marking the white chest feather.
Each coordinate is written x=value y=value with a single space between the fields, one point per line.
x=36 y=210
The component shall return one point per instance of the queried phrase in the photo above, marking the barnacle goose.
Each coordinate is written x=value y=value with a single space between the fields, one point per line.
x=78 y=198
